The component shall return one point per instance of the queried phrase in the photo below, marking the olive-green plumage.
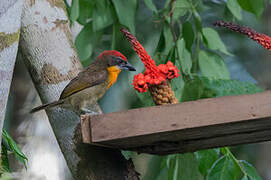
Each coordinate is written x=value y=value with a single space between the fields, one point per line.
x=83 y=92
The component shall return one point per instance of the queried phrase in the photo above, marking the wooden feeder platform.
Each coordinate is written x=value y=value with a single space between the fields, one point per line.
x=183 y=127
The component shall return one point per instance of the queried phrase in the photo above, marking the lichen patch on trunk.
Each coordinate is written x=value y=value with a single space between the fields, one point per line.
x=32 y=2
x=57 y=3
x=51 y=75
x=37 y=11
x=7 y=39
x=60 y=23
x=64 y=26
x=53 y=3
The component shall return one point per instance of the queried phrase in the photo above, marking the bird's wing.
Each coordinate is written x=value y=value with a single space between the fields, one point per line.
x=83 y=80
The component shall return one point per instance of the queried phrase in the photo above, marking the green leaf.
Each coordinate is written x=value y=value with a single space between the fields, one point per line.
x=101 y=3
x=167 y=3
x=181 y=166
x=180 y=8
x=202 y=87
x=163 y=174
x=4 y=156
x=160 y=48
x=12 y=145
x=86 y=41
x=255 y=7
x=151 y=5
x=245 y=178
x=126 y=11
x=193 y=90
x=213 y=40
x=188 y=35
x=171 y=57
x=14 y=148
x=188 y=167
x=127 y=154
x=206 y=159
x=224 y=87
x=197 y=20
x=154 y=168
x=182 y=4
x=86 y=11
x=177 y=85
x=102 y=16
x=184 y=57
x=7 y=176
x=172 y=165
x=212 y=66
x=116 y=35
x=74 y=10
x=235 y=9
x=165 y=43
x=250 y=172
x=144 y=100
x=224 y=169
x=168 y=39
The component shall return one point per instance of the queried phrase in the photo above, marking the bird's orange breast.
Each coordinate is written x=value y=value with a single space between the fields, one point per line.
x=113 y=73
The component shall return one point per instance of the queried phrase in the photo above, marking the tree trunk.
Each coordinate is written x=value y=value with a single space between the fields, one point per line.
x=10 y=20
x=51 y=59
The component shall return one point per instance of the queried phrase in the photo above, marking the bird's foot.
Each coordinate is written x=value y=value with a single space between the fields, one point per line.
x=85 y=111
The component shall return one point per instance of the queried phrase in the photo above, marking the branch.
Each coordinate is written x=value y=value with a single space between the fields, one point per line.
x=10 y=15
x=51 y=59
x=171 y=25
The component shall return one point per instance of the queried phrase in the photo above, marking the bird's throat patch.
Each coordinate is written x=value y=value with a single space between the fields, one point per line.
x=113 y=75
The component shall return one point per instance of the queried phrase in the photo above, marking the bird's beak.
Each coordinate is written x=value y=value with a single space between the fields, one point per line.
x=127 y=66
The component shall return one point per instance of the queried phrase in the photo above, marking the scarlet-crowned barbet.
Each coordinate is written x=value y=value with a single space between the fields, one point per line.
x=83 y=92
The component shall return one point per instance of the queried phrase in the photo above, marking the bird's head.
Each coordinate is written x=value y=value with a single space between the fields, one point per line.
x=115 y=61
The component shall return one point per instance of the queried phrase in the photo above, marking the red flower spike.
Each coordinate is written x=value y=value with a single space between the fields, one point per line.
x=262 y=39
x=153 y=75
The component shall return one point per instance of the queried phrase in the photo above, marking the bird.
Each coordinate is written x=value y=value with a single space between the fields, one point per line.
x=82 y=93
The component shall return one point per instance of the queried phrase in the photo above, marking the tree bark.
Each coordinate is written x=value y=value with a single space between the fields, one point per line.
x=10 y=18
x=51 y=59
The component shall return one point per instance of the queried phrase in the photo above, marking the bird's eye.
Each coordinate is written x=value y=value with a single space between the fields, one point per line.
x=119 y=60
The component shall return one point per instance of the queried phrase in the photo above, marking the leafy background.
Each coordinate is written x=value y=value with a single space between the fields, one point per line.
x=213 y=62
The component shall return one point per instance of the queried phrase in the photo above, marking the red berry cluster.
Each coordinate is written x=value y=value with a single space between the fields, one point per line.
x=153 y=75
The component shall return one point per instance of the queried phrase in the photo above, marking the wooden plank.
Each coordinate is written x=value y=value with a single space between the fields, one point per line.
x=187 y=126
x=85 y=126
x=191 y=145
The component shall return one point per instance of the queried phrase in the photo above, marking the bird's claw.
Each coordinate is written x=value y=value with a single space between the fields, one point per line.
x=85 y=111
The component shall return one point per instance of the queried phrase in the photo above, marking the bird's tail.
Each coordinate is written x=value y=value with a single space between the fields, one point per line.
x=47 y=106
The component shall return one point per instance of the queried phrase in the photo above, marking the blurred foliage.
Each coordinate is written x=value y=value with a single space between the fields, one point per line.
x=9 y=146
x=6 y=176
x=196 y=49
x=97 y=16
